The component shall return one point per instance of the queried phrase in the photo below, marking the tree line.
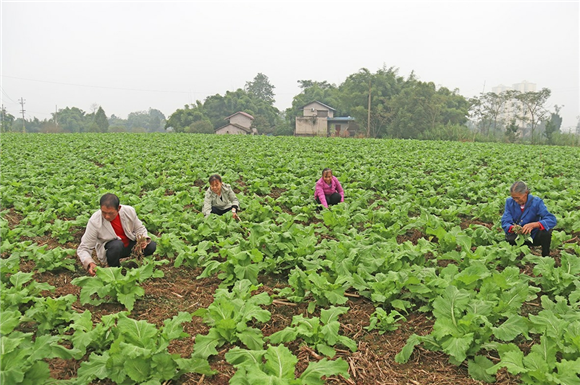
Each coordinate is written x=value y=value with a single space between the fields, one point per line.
x=73 y=119
x=384 y=104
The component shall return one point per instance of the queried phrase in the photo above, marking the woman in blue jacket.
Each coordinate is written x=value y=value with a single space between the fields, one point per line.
x=527 y=214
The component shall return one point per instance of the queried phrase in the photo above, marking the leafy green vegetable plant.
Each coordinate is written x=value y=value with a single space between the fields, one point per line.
x=229 y=315
x=318 y=332
x=110 y=283
x=138 y=353
x=22 y=357
x=382 y=321
x=276 y=365
x=21 y=290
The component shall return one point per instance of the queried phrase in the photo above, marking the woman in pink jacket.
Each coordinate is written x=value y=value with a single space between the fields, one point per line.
x=328 y=190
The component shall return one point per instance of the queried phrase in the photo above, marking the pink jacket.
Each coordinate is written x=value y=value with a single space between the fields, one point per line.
x=322 y=190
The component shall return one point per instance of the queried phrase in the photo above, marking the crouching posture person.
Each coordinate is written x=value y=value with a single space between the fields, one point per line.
x=112 y=231
x=527 y=214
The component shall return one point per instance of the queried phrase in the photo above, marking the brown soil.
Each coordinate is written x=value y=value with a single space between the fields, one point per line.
x=373 y=362
x=276 y=192
x=412 y=235
x=180 y=291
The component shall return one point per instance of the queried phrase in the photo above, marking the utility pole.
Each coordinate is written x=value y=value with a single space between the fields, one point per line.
x=23 y=121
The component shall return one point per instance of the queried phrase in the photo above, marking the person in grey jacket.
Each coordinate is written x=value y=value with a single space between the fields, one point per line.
x=112 y=231
x=219 y=198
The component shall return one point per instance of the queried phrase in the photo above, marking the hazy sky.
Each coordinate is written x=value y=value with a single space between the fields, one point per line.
x=132 y=56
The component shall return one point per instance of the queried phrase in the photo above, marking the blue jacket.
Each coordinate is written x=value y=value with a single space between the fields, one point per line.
x=534 y=211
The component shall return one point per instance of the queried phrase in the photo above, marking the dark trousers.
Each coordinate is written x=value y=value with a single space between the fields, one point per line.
x=117 y=250
x=331 y=199
x=543 y=238
x=215 y=210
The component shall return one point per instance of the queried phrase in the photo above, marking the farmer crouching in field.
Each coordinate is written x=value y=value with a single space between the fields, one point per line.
x=328 y=190
x=220 y=198
x=112 y=232
x=527 y=214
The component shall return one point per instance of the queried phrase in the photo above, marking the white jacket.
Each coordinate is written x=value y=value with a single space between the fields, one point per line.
x=100 y=231
x=226 y=199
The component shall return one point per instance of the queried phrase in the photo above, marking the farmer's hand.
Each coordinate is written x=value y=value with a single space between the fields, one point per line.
x=147 y=242
x=92 y=269
x=528 y=227
x=235 y=214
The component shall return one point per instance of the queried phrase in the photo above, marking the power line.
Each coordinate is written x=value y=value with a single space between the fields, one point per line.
x=8 y=97
x=92 y=86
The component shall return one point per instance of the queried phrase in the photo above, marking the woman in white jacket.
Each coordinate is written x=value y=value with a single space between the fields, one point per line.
x=219 y=198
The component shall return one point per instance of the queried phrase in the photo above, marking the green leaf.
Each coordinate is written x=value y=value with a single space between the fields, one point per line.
x=139 y=333
x=511 y=328
x=315 y=370
x=403 y=356
x=252 y=338
x=9 y=321
x=568 y=372
x=194 y=365
x=457 y=346
x=280 y=362
x=137 y=369
x=240 y=357
x=95 y=367
x=451 y=304
x=511 y=359
x=205 y=346
x=477 y=369
x=326 y=350
x=285 y=335
x=173 y=328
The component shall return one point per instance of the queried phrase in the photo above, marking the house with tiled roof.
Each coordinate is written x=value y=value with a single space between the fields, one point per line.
x=240 y=123
x=318 y=120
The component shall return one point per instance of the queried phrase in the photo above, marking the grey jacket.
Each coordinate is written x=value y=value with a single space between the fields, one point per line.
x=100 y=231
x=223 y=201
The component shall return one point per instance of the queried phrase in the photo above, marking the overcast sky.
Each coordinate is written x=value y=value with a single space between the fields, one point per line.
x=132 y=56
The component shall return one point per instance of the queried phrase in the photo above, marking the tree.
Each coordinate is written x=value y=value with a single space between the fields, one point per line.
x=71 y=119
x=138 y=120
x=511 y=131
x=421 y=108
x=553 y=124
x=487 y=111
x=261 y=89
x=101 y=120
x=117 y=124
x=201 y=127
x=380 y=87
x=532 y=107
x=7 y=120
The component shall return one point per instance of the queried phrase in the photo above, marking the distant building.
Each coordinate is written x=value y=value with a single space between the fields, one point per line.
x=318 y=120
x=524 y=86
x=240 y=123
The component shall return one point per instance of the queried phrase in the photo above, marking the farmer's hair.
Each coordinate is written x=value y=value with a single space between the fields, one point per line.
x=325 y=170
x=215 y=177
x=519 y=188
x=110 y=200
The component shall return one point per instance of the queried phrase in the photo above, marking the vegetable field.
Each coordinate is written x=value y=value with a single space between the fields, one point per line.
x=409 y=281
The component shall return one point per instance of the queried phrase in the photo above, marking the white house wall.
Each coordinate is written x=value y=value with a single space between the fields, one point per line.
x=307 y=110
x=311 y=126
x=241 y=120
x=230 y=130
